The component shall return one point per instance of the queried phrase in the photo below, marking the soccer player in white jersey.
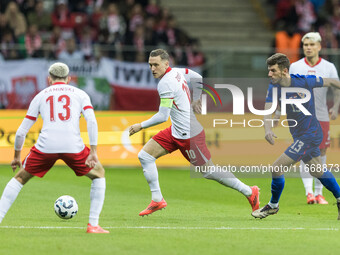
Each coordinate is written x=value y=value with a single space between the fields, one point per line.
x=185 y=134
x=313 y=64
x=60 y=106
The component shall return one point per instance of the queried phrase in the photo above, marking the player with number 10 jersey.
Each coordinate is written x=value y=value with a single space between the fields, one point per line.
x=185 y=133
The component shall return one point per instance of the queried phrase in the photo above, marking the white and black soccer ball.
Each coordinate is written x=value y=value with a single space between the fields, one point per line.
x=66 y=207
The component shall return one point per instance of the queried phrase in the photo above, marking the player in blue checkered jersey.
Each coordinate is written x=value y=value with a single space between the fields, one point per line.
x=305 y=129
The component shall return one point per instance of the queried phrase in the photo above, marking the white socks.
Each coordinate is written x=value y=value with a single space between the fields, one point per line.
x=97 y=196
x=318 y=185
x=227 y=179
x=151 y=174
x=307 y=179
x=9 y=195
x=273 y=205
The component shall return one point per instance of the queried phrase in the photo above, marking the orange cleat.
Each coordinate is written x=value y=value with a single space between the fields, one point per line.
x=310 y=199
x=319 y=199
x=153 y=206
x=254 y=198
x=96 y=229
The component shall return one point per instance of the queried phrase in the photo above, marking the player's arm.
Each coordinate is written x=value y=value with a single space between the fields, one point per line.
x=92 y=130
x=333 y=83
x=268 y=124
x=335 y=108
x=268 y=121
x=196 y=82
x=277 y=116
x=27 y=123
x=161 y=116
x=336 y=94
x=20 y=136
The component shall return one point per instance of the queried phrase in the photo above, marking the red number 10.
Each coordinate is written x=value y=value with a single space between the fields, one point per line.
x=186 y=89
x=66 y=106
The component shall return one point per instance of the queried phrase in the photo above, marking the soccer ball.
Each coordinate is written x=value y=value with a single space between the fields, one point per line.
x=66 y=207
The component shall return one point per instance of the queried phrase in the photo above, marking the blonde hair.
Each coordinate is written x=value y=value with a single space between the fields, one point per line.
x=58 y=71
x=313 y=36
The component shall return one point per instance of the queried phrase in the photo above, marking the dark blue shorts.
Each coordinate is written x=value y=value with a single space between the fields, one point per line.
x=305 y=147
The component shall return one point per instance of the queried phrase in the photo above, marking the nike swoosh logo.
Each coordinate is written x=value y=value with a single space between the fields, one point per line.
x=202 y=155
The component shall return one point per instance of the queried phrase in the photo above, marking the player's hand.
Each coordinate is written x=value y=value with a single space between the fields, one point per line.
x=92 y=160
x=334 y=113
x=15 y=163
x=134 y=129
x=197 y=106
x=270 y=137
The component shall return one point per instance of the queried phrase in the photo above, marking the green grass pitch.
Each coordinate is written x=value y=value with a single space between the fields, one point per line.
x=202 y=217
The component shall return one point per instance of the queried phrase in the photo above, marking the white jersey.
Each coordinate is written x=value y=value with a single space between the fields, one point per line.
x=174 y=85
x=324 y=69
x=60 y=107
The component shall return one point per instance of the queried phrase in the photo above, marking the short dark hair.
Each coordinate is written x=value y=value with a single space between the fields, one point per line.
x=160 y=52
x=280 y=59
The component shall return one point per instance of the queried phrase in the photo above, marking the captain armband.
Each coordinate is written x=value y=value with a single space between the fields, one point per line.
x=166 y=102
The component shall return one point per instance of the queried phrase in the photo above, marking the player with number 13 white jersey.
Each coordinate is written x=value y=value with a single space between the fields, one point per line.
x=60 y=106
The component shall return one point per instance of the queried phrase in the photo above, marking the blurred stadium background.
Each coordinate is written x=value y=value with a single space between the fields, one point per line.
x=106 y=44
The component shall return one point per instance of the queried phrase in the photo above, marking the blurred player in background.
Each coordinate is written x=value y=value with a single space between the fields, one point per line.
x=307 y=132
x=60 y=106
x=313 y=64
x=185 y=134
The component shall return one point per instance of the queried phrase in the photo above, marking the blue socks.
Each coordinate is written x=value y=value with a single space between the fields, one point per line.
x=278 y=184
x=328 y=180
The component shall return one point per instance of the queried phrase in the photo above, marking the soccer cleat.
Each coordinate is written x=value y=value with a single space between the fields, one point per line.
x=338 y=205
x=96 y=229
x=319 y=199
x=153 y=206
x=264 y=212
x=254 y=198
x=310 y=199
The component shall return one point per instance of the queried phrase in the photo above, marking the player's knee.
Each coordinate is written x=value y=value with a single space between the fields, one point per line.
x=101 y=172
x=316 y=174
x=97 y=172
x=141 y=155
x=19 y=179
x=23 y=177
x=145 y=157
